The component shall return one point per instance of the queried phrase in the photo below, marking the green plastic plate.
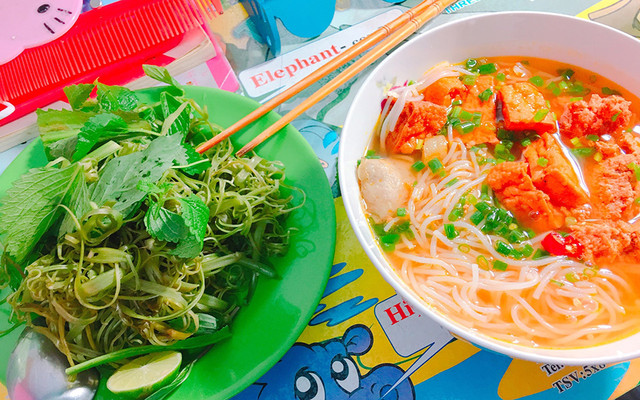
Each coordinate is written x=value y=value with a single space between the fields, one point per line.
x=280 y=309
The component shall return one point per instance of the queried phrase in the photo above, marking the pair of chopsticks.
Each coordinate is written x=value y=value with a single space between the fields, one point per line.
x=394 y=32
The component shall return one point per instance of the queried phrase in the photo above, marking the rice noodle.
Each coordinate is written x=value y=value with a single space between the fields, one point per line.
x=532 y=302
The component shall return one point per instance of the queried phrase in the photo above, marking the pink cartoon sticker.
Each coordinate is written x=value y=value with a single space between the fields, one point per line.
x=30 y=23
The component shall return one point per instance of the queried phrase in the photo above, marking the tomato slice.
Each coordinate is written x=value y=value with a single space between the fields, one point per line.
x=558 y=245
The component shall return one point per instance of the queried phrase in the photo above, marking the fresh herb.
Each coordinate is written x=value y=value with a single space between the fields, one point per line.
x=488 y=68
x=536 y=80
x=583 y=151
x=435 y=165
x=486 y=94
x=418 y=166
x=542 y=161
x=615 y=116
x=540 y=115
x=450 y=231
x=500 y=265
x=401 y=212
x=501 y=77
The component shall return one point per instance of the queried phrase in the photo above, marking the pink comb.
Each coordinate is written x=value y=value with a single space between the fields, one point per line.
x=110 y=43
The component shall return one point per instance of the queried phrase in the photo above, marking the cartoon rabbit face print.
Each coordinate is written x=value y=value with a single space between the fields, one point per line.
x=30 y=23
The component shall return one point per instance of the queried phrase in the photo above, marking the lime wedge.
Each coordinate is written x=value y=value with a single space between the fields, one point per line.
x=144 y=375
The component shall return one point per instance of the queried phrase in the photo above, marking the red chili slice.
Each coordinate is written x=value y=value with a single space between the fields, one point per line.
x=558 y=245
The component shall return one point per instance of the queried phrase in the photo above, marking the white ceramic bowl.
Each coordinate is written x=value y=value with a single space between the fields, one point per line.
x=596 y=47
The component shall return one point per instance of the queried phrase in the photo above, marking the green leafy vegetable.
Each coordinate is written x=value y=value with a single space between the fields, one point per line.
x=78 y=94
x=112 y=98
x=98 y=128
x=47 y=189
x=121 y=175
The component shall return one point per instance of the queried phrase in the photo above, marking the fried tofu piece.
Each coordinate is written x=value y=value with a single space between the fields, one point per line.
x=516 y=192
x=419 y=119
x=521 y=105
x=557 y=178
x=444 y=91
x=598 y=116
x=486 y=132
x=608 y=241
x=615 y=187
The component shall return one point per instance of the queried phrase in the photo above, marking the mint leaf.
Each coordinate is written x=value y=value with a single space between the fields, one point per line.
x=78 y=94
x=187 y=229
x=59 y=130
x=120 y=176
x=194 y=157
x=176 y=113
x=163 y=224
x=195 y=214
x=23 y=222
x=97 y=129
x=112 y=98
x=160 y=74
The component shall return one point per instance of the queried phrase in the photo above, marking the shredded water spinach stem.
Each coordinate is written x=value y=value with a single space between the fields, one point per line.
x=177 y=261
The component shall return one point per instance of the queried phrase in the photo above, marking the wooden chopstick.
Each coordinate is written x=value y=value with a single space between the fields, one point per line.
x=378 y=51
x=323 y=71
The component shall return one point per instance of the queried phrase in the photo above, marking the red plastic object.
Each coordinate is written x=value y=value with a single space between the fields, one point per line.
x=110 y=43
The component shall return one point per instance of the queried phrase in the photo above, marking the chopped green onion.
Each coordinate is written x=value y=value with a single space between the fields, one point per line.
x=566 y=73
x=608 y=91
x=434 y=165
x=525 y=142
x=371 y=154
x=464 y=248
x=476 y=217
x=401 y=212
x=540 y=254
x=469 y=80
x=636 y=170
x=472 y=199
x=489 y=68
x=486 y=94
x=574 y=99
x=575 y=142
x=563 y=85
x=465 y=115
x=456 y=214
x=557 y=282
x=455 y=112
x=593 y=138
x=583 y=151
x=501 y=77
x=471 y=63
x=637 y=200
x=456 y=102
x=451 y=182
x=464 y=127
x=553 y=87
x=540 y=114
x=450 y=231
x=504 y=134
x=500 y=265
x=572 y=277
x=418 y=166
x=542 y=162
x=527 y=250
x=503 y=248
x=482 y=262
x=615 y=116
x=536 y=80
x=597 y=157
x=388 y=247
x=391 y=238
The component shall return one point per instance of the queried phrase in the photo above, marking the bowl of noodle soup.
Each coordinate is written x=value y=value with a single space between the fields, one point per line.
x=488 y=168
